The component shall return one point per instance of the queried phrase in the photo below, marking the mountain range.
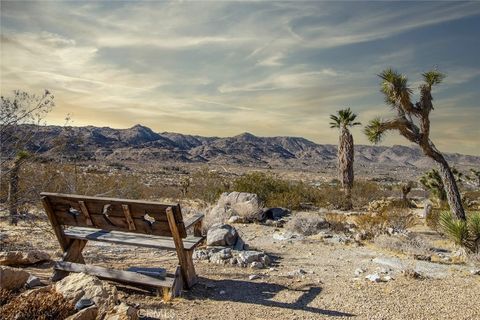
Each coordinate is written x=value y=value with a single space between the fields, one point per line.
x=141 y=144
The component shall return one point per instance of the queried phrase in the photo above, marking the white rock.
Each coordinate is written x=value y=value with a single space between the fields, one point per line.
x=85 y=314
x=256 y=265
x=359 y=271
x=235 y=219
x=222 y=292
x=221 y=235
x=475 y=272
x=254 y=276
x=373 y=277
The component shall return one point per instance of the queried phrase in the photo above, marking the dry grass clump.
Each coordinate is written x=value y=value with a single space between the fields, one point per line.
x=374 y=224
x=410 y=244
x=5 y=296
x=338 y=222
x=306 y=223
x=39 y=305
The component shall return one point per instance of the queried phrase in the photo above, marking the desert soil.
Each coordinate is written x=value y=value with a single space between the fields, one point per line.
x=329 y=289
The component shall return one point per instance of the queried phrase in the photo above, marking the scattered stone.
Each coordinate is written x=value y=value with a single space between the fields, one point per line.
x=373 y=277
x=221 y=235
x=85 y=314
x=33 y=282
x=387 y=278
x=23 y=258
x=12 y=278
x=235 y=219
x=475 y=272
x=254 y=277
x=265 y=260
x=201 y=254
x=359 y=271
x=78 y=286
x=360 y=236
x=83 y=303
x=288 y=235
x=422 y=257
x=222 y=292
x=249 y=256
x=122 y=312
x=412 y=274
x=296 y=273
x=256 y=265
x=233 y=260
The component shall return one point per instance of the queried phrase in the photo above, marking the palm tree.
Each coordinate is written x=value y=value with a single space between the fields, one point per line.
x=345 y=119
x=413 y=122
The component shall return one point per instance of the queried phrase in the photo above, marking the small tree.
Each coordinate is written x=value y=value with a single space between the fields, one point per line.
x=406 y=188
x=412 y=120
x=18 y=110
x=345 y=119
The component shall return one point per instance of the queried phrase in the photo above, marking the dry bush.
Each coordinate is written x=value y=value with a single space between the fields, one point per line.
x=207 y=185
x=338 y=222
x=377 y=223
x=410 y=244
x=5 y=296
x=364 y=192
x=306 y=223
x=39 y=305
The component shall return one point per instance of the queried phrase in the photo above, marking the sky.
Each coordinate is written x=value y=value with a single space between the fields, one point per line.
x=223 y=68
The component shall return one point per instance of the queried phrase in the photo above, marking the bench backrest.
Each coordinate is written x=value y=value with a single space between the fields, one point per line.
x=135 y=216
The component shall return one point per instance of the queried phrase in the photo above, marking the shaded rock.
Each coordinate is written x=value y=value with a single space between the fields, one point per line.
x=19 y=258
x=239 y=245
x=122 y=312
x=221 y=235
x=201 y=254
x=33 y=282
x=276 y=213
x=12 y=278
x=78 y=286
x=475 y=272
x=84 y=303
x=265 y=259
x=85 y=314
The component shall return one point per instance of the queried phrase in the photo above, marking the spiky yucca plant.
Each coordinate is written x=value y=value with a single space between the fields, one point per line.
x=463 y=233
x=345 y=119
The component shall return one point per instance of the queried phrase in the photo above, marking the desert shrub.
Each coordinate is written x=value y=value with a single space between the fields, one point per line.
x=5 y=296
x=377 y=223
x=463 y=233
x=408 y=244
x=338 y=222
x=207 y=185
x=40 y=305
x=364 y=192
x=276 y=192
x=432 y=220
x=306 y=223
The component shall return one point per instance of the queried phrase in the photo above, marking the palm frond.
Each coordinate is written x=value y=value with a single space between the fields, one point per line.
x=455 y=229
x=345 y=118
x=433 y=77
x=374 y=131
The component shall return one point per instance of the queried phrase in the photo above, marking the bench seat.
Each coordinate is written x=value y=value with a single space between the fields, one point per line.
x=129 y=238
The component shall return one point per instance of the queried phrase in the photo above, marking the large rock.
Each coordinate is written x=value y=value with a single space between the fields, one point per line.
x=12 y=278
x=78 y=286
x=122 y=312
x=246 y=205
x=19 y=258
x=85 y=314
x=222 y=235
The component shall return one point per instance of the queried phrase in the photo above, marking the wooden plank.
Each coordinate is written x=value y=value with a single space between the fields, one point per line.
x=57 y=229
x=119 y=275
x=129 y=238
x=187 y=270
x=72 y=254
x=85 y=212
x=128 y=216
x=193 y=220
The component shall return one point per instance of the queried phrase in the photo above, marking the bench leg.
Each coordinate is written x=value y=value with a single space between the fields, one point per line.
x=72 y=254
x=168 y=294
x=190 y=270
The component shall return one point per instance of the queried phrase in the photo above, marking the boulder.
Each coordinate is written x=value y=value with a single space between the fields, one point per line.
x=246 y=205
x=85 y=314
x=221 y=235
x=248 y=257
x=12 y=278
x=122 y=312
x=239 y=245
x=19 y=258
x=78 y=286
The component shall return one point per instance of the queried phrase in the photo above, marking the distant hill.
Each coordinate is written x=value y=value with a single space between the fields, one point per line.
x=141 y=144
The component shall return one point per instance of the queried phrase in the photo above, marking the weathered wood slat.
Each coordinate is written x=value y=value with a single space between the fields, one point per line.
x=129 y=238
x=119 y=275
x=193 y=220
x=85 y=212
x=128 y=216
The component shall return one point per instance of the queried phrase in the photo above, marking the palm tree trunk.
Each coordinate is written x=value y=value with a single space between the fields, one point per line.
x=345 y=163
x=450 y=185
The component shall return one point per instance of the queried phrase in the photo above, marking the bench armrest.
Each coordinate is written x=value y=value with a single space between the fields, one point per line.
x=193 y=220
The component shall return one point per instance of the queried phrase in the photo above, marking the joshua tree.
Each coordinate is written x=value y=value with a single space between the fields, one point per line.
x=432 y=181
x=413 y=122
x=476 y=174
x=406 y=188
x=344 y=119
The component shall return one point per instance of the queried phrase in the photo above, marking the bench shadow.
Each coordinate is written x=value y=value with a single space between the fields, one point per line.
x=260 y=293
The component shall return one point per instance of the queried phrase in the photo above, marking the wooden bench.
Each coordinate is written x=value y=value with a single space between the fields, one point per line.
x=77 y=219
